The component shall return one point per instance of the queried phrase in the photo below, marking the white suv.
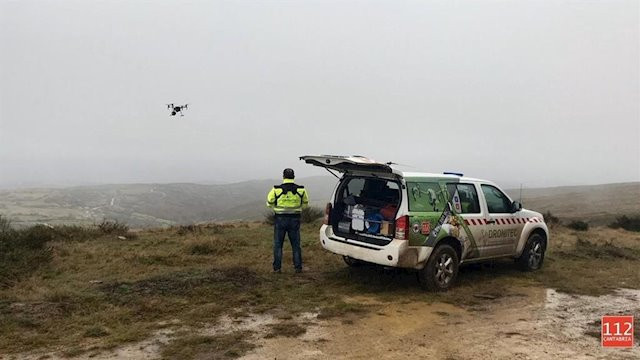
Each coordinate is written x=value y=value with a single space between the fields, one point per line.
x=429 y=222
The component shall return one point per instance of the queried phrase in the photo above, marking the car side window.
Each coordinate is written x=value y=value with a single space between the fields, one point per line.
x=425 y=197
x=497 y=201
x=464 y=198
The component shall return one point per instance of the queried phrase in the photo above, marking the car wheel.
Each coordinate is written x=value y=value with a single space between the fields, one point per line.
x=441 y=269
x=532 y=256
x=351 y=261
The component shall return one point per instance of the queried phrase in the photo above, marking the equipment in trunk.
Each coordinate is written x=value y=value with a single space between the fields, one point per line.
x=366 y=207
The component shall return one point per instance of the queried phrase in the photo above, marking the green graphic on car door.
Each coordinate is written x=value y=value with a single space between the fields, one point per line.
x=435 y=214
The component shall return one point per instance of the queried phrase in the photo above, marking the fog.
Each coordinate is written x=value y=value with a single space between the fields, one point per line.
x=535 y=92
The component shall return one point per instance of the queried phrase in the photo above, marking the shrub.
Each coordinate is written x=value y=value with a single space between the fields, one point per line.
x=22 y=251
x=113 y=227
x=578 y=225
x=627 y=223
x=187 y=229
x=202 y=249
x=551 y=219
x=269 y=218
x=309 y=214
x=75 y=232
x=5 y=224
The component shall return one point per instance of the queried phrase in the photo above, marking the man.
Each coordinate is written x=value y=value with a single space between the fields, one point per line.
x=287 y=201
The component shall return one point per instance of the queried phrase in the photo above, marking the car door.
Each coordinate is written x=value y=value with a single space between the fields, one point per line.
x=502 y=227
x=466 y=203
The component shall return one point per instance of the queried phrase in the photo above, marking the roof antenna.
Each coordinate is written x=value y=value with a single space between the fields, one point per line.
x=520 y=193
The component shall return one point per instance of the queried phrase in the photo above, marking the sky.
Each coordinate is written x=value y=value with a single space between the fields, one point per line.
x=541 y=93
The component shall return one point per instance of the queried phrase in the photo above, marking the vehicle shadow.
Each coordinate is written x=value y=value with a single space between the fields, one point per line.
x=375 y=279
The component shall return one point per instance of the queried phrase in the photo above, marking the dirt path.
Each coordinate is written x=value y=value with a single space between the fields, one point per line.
x=535 y=324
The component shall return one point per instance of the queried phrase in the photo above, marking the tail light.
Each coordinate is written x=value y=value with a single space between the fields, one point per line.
x=327 y=214
x=402 y=228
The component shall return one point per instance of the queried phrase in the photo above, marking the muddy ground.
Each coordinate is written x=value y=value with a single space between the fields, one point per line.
x=209 y=293
x=529 y=323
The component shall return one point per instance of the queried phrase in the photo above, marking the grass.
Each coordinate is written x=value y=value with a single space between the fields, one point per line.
x=100 y=291
x=226 y=346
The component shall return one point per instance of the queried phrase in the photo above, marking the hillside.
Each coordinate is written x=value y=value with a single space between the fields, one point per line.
x=598 y=204
x=149 y=205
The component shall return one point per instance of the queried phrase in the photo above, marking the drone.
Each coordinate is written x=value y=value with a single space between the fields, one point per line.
x=176 y=109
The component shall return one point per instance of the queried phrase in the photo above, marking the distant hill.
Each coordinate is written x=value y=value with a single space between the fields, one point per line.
x=145 y=205
x=150 y=205
x=598 y=204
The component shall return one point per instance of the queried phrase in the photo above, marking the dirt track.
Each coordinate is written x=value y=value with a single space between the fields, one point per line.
x=535 y=324
x=532 y=323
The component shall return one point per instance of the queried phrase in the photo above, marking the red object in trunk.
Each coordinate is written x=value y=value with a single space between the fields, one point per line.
x=327 y=214
x=389 y=211
x=402 y=228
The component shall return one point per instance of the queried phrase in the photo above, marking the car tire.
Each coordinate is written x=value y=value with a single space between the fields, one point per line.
x=441 y=269
x=532 y=255
x=351 y=261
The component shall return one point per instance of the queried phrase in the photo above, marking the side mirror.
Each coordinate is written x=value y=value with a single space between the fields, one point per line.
x=516 y=206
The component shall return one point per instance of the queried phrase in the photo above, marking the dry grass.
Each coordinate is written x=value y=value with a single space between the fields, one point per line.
x=226 y=346
x=105 y=292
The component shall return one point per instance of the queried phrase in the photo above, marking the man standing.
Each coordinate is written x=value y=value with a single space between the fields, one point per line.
x=287 y=201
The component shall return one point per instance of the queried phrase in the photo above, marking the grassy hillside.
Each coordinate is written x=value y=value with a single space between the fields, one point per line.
x=94 y=290
x=149 y=205
x=597 y=204
x=153 y=205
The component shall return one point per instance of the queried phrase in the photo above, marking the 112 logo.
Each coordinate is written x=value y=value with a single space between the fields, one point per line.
x=617 y=331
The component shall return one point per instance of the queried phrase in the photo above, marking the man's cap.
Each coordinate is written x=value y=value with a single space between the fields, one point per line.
x=288 y=174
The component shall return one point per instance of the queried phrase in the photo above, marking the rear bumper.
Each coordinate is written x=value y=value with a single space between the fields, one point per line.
x=397 y=253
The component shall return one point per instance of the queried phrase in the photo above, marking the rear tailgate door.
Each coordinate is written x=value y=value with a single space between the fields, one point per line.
x=346 y=164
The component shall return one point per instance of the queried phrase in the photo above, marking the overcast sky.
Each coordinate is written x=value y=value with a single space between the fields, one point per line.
x=535 y=92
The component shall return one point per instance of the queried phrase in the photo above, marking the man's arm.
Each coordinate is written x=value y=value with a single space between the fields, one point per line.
x=271 y=198
x=305 y=199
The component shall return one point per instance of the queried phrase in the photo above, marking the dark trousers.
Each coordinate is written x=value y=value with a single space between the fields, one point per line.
x=291 y=226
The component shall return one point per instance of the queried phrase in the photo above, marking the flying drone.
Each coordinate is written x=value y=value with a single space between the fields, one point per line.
x=176 y=109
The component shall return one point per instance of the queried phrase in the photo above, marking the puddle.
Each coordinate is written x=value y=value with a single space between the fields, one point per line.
x=572 y=314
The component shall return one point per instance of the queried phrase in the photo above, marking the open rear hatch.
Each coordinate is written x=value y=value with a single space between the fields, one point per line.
x=346 y=164
x=366 y=200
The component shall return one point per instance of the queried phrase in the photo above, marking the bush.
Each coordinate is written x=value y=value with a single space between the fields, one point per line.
x=269 y=218
x=202 y=249
x=113 y=227
x=551 y=219
x=188 y=229
x=627 y=223
x=5 y=224
x=578 y=225
x=22 y=251
x=309 y=214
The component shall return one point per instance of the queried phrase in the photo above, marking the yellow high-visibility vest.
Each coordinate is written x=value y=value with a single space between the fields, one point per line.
x=287 y=198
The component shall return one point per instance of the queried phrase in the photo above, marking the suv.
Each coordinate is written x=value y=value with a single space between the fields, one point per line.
x=428 y=222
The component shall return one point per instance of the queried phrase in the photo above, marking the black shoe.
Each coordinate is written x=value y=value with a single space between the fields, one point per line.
x=276 y=271
x=298 y=271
